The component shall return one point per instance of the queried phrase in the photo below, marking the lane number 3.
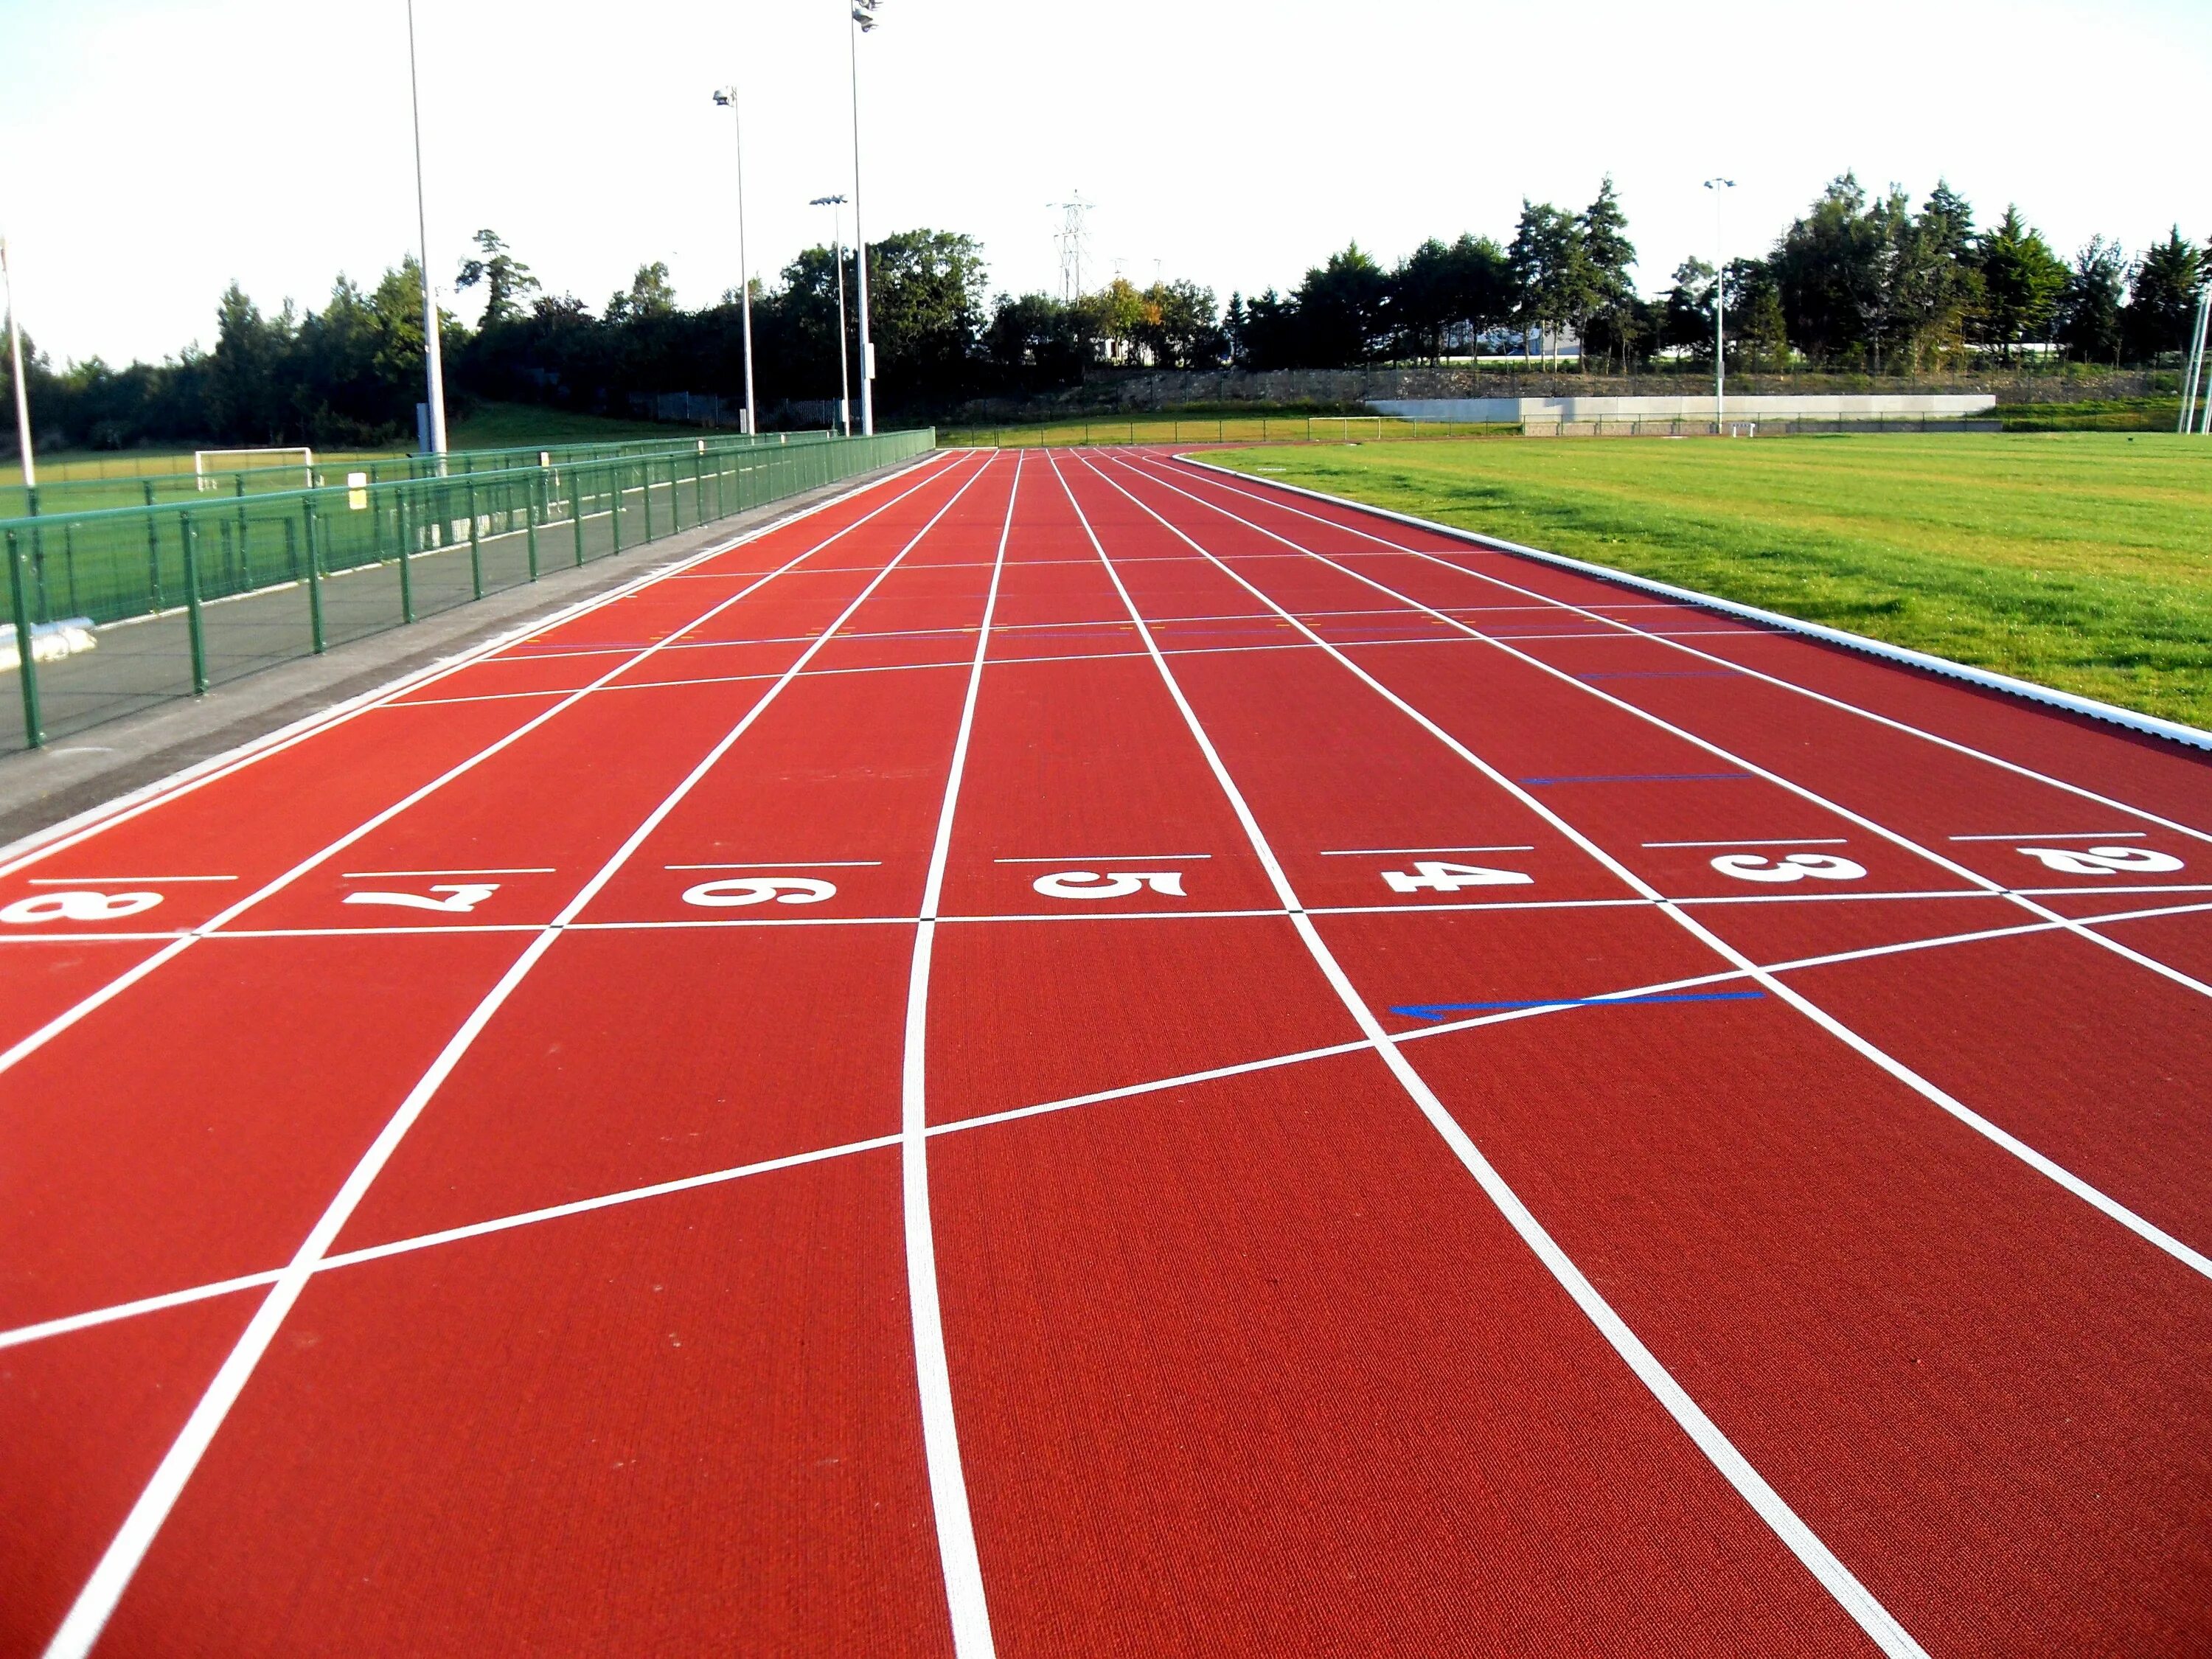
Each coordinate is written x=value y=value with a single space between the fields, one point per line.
x=1795 y=866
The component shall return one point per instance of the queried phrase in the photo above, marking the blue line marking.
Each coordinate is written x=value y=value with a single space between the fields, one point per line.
x=1638 y=777
x=1439 y=1010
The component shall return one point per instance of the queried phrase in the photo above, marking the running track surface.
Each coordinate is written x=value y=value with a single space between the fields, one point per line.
x=1068 y=1055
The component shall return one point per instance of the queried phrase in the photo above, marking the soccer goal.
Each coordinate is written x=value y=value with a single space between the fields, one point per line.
x=211 y=466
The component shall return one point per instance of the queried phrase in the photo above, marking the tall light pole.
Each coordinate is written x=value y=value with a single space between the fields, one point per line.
x=863 y=21
x=836 y=204
x=16 y=363
x=433 y=354
x=1720 y=303
x=728 y=97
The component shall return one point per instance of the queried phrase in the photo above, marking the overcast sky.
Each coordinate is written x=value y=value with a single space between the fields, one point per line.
x=151 y=150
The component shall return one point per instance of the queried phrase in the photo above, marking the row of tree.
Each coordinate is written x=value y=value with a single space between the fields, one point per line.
x=1857 y=282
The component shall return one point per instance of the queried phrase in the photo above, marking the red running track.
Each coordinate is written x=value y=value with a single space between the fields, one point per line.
x=1070 y=1056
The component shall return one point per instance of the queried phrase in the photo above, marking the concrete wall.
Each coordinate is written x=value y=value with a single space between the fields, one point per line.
x=1552 y=411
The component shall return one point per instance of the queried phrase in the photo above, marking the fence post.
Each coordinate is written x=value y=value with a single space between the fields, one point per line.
x=26 y=669
x=530 y=516
x=645 y=477
x=614 y=504
x=576 y=512
x=314 y=573
x=194 y=636
x=476 y=548
x=152 y=549
x=406 y=527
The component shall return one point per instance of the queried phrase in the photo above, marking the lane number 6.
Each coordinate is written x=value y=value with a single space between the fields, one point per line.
x=759 y=890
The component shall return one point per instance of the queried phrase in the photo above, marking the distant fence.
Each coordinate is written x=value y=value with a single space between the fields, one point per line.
x=1222 y=429
x=125 y=608
x=146 y=486
x=1767 y=427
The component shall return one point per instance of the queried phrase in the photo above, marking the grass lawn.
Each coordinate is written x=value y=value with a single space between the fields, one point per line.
x=2081 y=560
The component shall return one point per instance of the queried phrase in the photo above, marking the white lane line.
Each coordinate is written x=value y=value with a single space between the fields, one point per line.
x=1395 y=852
x=787 y=864
x=2143 y=1229
x=390 y=875
x=2087 y=834
x=1818 y=1559
x=117 y=881
x=1896 y=838
x=1357 y=510
x=62 y=1022
x=110 y=1314
x=965 y=1601
x=1112 y=858
x=72 y=831
x=1809 y=841
x=97 y=1600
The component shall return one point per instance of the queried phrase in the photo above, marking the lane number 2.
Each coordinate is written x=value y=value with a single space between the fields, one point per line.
x=76 y=907
x=759 y=890
x=461 y=898
x=1794 y=866
x=1435 y=876
x=2103 y=860
x=1114 y=884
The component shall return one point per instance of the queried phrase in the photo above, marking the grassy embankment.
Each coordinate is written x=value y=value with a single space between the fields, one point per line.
x=2081 y=560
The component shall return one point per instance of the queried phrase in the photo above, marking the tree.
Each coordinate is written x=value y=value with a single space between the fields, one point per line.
x=2089 y=306
x=926 y=311
x=506 y=279
x=1611 y=322
x=1176 y=327
x=1832 y=268
x=2021 y=280
x=1685 y=310
x=1934 y=286
x=1554 y=283
x=1759 y=333
x=649 y=295
x=1343 y=311
x=2162 y=299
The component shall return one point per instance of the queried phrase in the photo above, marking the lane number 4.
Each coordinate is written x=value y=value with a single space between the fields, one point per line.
x=1435 y=876
x=1114 y=884
x=2103 y=860
x=1794 y=866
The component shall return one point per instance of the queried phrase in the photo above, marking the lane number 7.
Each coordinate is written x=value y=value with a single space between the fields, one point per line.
x=461 y=898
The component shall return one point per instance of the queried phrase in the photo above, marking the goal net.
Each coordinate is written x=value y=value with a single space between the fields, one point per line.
x=212 y=466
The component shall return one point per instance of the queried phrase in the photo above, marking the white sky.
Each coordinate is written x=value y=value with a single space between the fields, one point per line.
x=150 y=150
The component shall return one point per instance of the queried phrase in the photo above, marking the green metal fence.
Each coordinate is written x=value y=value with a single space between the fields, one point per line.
x=125 y=608
x=1216 y=429
x=65 y=493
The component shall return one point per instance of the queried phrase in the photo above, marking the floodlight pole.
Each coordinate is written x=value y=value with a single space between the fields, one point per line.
x=863 y=20
x=2196 y=367
x=15 y=362
x=729 y=95
x=433 y=351
x=1720 y=305
x=836 y=205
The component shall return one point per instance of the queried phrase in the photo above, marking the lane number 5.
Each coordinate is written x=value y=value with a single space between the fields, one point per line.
x=1114 y=884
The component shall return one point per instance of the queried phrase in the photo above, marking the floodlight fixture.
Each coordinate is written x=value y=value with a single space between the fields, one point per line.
x=433 y=362
x=726 y=98
x=864 y=21
x=836 y=204
x=22 y=392
x=1720 y=303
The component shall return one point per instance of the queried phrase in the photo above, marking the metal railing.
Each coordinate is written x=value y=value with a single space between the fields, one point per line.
x=1217 y=429
x=61 y=493
x=125 y=608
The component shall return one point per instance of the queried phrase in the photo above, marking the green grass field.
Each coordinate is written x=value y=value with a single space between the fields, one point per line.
x=2081 y=560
